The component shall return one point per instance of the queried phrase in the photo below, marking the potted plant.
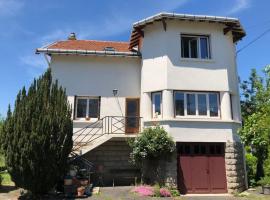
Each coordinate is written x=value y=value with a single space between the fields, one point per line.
x=80 y=191
x=265 y=183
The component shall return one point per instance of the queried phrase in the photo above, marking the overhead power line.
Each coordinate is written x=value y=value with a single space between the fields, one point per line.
x=254 y=40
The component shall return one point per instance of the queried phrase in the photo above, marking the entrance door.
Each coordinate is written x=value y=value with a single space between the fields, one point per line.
x=201 y=168
x=132 y=115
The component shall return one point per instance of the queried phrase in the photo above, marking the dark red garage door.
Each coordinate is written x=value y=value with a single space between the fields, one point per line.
x=201 y=168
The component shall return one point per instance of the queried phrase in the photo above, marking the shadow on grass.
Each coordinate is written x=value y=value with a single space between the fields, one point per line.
x=7 y=188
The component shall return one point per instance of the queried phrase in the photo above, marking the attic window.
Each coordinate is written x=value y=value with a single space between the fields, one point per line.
x=109 y=49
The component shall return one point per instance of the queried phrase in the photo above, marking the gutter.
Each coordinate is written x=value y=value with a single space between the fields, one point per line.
x=86 y=52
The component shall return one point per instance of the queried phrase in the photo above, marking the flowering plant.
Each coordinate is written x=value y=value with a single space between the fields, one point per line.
x=164 y=192
x=144 y=190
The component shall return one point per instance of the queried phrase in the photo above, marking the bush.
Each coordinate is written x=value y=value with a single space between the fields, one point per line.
x=174 y=193
x=251 y=163
x=149 y=151
x=37 y=136
x=264 y=181
x=1 y=180
x=151 y=143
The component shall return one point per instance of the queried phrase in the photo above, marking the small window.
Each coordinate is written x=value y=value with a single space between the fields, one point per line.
x=195 y=47
x=179 y=103
x=213 y=104
x=109 y=49
x=87 y=107
x=157 y=104
x=202 y=107
x=191 y=106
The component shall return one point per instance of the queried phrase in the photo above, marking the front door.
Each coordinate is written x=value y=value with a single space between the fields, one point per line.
x=132 y=115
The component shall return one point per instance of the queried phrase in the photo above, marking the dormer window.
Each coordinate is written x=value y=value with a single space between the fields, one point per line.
x=195 y=46
x=109 y=49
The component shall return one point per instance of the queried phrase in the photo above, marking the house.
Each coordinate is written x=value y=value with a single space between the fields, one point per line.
x=178 y=71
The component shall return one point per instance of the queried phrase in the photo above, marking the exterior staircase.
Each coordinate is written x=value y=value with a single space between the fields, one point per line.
x=106 y=128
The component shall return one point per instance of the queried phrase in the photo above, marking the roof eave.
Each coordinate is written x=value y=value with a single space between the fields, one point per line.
x=86 y=52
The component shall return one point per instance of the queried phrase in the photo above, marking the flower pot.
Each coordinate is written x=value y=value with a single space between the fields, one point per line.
x=266 y=189
x=80 y=191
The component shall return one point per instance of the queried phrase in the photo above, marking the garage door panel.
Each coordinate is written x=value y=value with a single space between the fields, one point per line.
x=200 y=177
x=185 y=174
x=218 y=174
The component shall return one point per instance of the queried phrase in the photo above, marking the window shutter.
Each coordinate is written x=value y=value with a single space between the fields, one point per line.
x=74 y=107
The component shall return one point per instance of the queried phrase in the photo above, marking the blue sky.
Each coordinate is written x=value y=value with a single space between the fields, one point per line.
x=28 y=24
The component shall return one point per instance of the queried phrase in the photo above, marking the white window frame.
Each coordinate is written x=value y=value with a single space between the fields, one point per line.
x=196 y=105
x=198 y=37
x=87 y=108
x=153 y=94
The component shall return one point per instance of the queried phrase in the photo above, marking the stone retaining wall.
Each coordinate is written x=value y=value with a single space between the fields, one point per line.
x=235 y=167
x=112 y=164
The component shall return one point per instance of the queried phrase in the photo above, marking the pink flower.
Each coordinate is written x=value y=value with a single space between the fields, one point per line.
x=144 y=190
x=164 y=192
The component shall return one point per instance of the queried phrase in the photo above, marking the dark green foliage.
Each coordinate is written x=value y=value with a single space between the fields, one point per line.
x=150 y=150
x=255 y=106
x=150 y=144
x=37 y=136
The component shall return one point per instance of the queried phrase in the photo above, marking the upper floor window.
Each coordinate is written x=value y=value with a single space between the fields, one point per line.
x=157 y=104
x=195 y=46
x=198 y=104
x=87 y=107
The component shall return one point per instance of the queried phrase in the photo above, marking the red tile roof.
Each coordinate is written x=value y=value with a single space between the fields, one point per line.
x=91 y=45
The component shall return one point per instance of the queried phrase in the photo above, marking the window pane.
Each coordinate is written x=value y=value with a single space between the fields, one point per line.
x=81 y=108
x=93 y=108
x=193 y=48
x=202 y=108
x=204 y=48
x=179 y=103
x=191 y=108
x=185 y=47
x=157 y=103
x=213 y=104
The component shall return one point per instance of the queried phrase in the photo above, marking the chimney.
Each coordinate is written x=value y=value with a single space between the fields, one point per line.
x=72 y=36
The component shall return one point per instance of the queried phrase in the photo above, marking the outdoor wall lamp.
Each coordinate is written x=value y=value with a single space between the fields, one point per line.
x=115 y=91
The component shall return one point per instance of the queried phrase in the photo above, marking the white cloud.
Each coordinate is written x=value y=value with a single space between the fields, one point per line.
x=34 y=64
x=239 y=6
x=113 y=23
x=10 y=7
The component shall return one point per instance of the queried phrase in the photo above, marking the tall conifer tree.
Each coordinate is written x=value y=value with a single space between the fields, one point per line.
x=37 y=135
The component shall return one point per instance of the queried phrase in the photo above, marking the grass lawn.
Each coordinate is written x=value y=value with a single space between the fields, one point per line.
x=5 y=175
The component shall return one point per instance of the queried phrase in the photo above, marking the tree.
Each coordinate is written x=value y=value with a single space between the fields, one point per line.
x=149 y=150
x=256 y=117
x=37 y=136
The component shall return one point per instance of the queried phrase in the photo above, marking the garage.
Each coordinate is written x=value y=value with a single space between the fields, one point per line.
x=201 y=168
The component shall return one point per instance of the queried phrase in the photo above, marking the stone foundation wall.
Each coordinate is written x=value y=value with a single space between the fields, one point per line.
x=112 y=164
x=171 y=171
x=235 y=167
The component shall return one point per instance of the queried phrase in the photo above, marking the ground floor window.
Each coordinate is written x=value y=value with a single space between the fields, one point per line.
x=87 y=107
x=198 y=104
x=156 y=104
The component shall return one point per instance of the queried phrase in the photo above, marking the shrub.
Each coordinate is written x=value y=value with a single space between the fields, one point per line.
x=151 y=143
x=149 y=151
x=264 y=181
x=37 y=136
x=164 y=192
x=175 y=192
x=251 y=163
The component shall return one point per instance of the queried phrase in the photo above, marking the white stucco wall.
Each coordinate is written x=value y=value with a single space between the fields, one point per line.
x=164 y=70
x=98 y=76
